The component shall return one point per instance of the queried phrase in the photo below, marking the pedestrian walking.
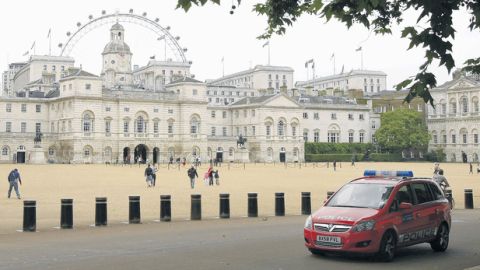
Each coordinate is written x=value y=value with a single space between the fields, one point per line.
x=353 y=161
x=217 y=177
x=154 y=175
x=210 y=176
x=149 y=176
x=13 y=180
x=436 y=168
x=192 y=174
x=334 y=165
x=471 y=168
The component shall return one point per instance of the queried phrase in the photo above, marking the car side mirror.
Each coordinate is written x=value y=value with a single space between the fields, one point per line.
x=405 y=205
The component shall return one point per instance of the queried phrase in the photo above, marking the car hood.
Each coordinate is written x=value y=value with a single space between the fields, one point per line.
x=342 y=215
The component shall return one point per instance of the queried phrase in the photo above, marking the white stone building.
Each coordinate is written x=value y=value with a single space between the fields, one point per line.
x=158 y=112
x=7 y=77
x=367 y=80
x=454 y=123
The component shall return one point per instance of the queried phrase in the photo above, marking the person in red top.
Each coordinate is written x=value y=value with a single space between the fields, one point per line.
x=210 y=176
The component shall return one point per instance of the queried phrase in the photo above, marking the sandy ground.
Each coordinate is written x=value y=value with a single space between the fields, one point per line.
x=47 y=184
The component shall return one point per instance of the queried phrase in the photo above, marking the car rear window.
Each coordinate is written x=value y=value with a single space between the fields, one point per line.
x=437 y=194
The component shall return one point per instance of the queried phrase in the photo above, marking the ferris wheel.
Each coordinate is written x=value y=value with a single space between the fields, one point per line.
x=162 y=33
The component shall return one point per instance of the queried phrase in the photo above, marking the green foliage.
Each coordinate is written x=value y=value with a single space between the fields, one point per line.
x=337 y=148
x=402 y=129
x=435 y=156
x=433 y=31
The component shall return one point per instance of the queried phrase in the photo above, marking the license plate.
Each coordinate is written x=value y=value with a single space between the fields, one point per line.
x=329 y=239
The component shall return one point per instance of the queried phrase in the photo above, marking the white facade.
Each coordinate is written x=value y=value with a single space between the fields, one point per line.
x=7 y=78
x=157 y=74
x=366 y=80
x=224 y=95
x=259 y=78
x=454 y=123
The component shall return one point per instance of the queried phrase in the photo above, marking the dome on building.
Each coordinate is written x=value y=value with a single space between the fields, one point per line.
x=116 y=46
x=116 y=27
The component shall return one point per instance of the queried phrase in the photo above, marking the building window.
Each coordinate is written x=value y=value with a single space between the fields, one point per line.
x=38 y=108
x=224 y=131
x=88 y=86
x=86 y=152
x=5 y=151
x=126 y=109
x=444 y=138
x=8 y=107
x=360 y=116
x=170 y=111
x=213 y=131
x=315 y=116
x=333 y=137
x=305 y=135
x=140 y=125
x=44 y=67
x=23 y=127
x=213 y=114
x=253 y=130
x=305 y=115
x=155 y=127
x=316 y=136
x=350 y=137
x=444 y=108
x=362 y=137
x=454 y=138
x=294 y=131
x=350 y=116
x=435 y=139
x=126 y=125
x=281 y=128
x=51 y=151
x=8 y=127
x=170 y=128
x=268 y=130
x=24 y=107
x=107 y=109
x=87 y=123
x=464 y=105
x=108 y=126
x=194 y=92
x=464 y=138
x=475 y=138
x=334 y=116
x=194 y=124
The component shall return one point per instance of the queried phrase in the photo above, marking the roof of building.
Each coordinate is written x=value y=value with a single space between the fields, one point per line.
x=253 y=100
x=117 y=26
x=454 y=81
x=53 y=93
x=354 y=72
x=78 y=72
x=116 y=46
x=315 y=100
x=252 y=70
x=185 y=80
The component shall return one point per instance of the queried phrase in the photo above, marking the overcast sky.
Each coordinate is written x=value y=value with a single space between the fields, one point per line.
x=211 y=33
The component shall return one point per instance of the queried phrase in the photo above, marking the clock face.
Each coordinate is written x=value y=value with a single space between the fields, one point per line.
x=113 y=62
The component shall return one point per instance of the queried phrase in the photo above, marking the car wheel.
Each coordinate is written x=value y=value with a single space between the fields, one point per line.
x=316 y=251
x=386 y=253
x=441 y=240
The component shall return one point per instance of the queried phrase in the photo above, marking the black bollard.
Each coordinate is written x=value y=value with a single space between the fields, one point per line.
x=134 y=210
x=196 y=207
x=100 y=211
x=329 y=194
x=29 y=216
x=306 y=205
x=165 y=208
x=279 y=204
x=468 y=198
x=66 y=214
x=252 y=205
x=224 y=205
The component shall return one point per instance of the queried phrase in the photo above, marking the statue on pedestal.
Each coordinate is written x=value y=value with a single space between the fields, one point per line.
x=38 y=139
x=241 y=141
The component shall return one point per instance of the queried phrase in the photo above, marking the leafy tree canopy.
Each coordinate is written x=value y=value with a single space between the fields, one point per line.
x=401 y=130
x=379 y=16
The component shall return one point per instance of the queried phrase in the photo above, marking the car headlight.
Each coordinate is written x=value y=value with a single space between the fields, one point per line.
x=367 y=225
x=308 y=222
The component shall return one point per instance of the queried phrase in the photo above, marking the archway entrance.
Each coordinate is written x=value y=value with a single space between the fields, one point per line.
x=140 y=153
x=21 y=154
x=126 y=155
x=282 y=154
x=219 y=155
x=156 y=153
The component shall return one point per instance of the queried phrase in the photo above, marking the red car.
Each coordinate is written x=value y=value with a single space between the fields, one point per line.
x=378 y=213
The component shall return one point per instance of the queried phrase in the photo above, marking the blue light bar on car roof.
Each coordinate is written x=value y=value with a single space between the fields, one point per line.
x=388 y=173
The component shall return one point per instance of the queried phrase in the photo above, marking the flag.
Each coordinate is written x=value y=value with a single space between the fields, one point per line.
x=343 y=66
x=152 y=57
x=49 y=32
x=333 y=56
x=266 y=43
x=308 y=62
x=33 y=46
x=358 y=49
x=25 y=54
x=313 y=65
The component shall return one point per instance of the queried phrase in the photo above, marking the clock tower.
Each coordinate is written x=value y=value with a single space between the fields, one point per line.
x=117 y=67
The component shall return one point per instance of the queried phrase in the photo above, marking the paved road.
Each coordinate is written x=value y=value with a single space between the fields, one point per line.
x=272 y=243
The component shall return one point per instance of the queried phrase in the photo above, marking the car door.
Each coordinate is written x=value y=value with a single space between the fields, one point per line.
x=439 y=205
x=425 y=212
x=403 y=219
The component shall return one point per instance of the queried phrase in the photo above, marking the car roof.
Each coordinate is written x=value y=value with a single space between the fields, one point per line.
x=387 y=180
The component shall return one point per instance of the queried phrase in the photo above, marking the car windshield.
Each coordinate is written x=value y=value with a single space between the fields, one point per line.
x=361 y=196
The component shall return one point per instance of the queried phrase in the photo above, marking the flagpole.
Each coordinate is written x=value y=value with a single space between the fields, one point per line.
x=269 y=52
x=50 y=44
x=361 y=55
x=313 y=71
x=334 y=71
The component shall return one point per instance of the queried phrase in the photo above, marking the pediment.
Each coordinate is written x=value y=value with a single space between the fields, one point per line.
x=281 y=101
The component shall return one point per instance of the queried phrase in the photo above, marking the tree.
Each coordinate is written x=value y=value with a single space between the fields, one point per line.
x=433 y=31
x=402 y=129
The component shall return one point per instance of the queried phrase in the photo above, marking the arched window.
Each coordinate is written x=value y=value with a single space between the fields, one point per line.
x=475 y=104
x=464 y=135
x=5 y=151
x=281 y=128
x=453 y=106
x=231 y=151
x=269 y=152
x=305 y=135
x=51 y=151
x=140 y=127
x=464 y=101
x=87 y=123
x=194 y=125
